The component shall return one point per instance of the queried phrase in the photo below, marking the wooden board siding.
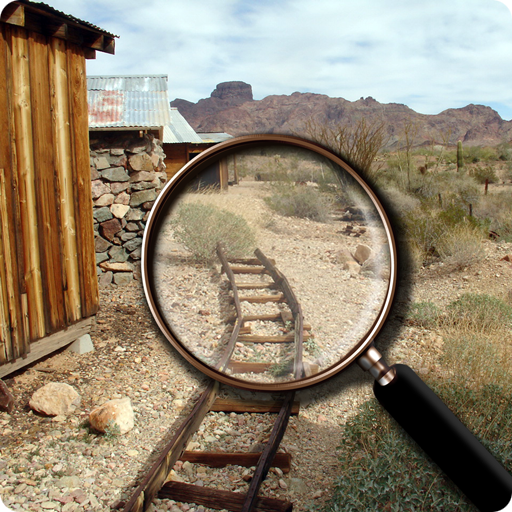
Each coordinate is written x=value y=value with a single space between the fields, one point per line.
x=47 y=259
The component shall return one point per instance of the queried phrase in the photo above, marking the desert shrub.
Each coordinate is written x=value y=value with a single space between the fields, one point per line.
x=496 y=208
x=200 y=226
x=299 y=201
x=479 y=312
x=461 y=245
x=475 y=154
x=424 y=314
x=383 y=469
x=482 y=174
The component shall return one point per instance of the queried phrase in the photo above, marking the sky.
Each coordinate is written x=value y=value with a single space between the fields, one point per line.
x=430 y=55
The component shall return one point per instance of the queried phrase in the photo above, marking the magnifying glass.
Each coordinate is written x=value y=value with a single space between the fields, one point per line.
x=254 y=292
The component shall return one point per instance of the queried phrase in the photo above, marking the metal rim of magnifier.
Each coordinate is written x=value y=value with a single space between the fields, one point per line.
x=202 y=161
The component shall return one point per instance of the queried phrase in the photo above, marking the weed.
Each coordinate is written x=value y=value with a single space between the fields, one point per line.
x=479 y=313
x=424 y=314
x=484 y=174
x=112 y=431
x=200 y=227
x=299 y=201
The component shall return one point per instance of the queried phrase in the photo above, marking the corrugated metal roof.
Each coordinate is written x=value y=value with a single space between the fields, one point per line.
x=178 y=130
x=49 y=9
x=215 y=137
x=122 y=101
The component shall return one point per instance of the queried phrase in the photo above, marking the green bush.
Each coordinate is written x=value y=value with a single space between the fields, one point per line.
x=299 y=201
x=424 y=314
x=200 y=227
x=482 y=174
x=383 y=469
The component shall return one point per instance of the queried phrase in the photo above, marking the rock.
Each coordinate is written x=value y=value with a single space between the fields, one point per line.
x=100 y=244
x=131 y=245
x=353 y=267
x=101 y=163
x=118 y=254
x=134 y=215
x=116 y=267
x=109 y=228
x=123 y=278
x=123 y=198
x=119 y=210
x=104 y=200
x=99 y=188
x=114 y=412
x=55 y=399
x=102 y=214
x=141 y=197
x=118 y=187
x=141 y=162
x=363 y=252
x=142 y=176
x=6 y=398
x=115 y=174
x=344 y=255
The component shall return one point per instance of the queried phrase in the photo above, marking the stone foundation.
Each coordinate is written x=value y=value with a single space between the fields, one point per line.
x=127 y=175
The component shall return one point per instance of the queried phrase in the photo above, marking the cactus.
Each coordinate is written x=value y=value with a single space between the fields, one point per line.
x=460 y=159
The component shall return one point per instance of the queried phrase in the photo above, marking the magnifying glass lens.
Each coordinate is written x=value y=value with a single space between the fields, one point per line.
x=268 y=262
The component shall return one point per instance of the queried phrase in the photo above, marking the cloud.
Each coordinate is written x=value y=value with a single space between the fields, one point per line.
x=431 y=55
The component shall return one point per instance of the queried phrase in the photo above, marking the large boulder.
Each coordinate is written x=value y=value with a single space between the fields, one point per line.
x=117 y=412
x=55 y=399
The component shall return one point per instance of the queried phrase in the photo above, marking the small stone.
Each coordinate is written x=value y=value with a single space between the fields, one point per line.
x=115 y=174
x=122 y=198
x=123 y=278
x=142 y=197
x=99 y=188
x=100 y=244
x=119 y=210
x=105 y=200
x=141 y=162
x=132 y=453
x=109 y=229
x=142 y=176
x=118 y=187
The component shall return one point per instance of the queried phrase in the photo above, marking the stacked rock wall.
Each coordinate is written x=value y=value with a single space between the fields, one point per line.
x=127 y=175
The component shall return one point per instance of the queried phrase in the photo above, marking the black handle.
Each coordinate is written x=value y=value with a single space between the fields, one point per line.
x=446 y=440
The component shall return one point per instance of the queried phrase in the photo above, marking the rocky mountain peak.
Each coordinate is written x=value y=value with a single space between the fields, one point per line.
x=235 y=93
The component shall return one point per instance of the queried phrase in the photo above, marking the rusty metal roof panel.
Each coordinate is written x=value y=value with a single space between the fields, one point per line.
x=178 y=130
x=128 y=101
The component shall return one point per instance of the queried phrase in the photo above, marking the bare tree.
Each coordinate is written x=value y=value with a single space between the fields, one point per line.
x=358 y=145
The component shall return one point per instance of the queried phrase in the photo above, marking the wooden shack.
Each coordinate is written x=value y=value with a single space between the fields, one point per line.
x=48 y=283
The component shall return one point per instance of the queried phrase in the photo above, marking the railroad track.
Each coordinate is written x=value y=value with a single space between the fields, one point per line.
x=155 y=483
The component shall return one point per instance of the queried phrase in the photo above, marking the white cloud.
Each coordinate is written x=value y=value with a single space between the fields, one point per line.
x=431 y=55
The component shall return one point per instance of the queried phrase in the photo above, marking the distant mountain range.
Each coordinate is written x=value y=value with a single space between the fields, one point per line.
x=232 y=109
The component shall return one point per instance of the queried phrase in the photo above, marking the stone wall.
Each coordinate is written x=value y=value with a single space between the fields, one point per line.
x=127 y=175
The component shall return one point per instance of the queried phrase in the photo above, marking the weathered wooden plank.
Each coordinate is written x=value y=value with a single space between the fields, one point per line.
x=249 y=270
x=64 y=167
x=218 y=499
x=221 y=365
x=46 y=192
x=245 y=367
x=157 y=475
x=77 y=86
x=248 y=261
x=255 y=286
x=263 y=299
x=247 y=460
x=270 y=450
x=5 y=323
x=254 y=338
x=241 y=405
x=24 y=144
x=13 y=248
x=47 y=345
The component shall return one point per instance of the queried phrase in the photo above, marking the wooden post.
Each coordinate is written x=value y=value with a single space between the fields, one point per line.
x=26 y=180
x=486 y=185
x=63 y=164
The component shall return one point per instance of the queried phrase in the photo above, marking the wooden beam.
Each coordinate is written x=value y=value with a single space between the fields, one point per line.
x=157 y=475
x=247 y=460
x=242 y=405
x=269 y=452
x=218 y=499
x=254 y=338
x=47 y=345
x=244 y=367
x=263 y=299
x=14 y=14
